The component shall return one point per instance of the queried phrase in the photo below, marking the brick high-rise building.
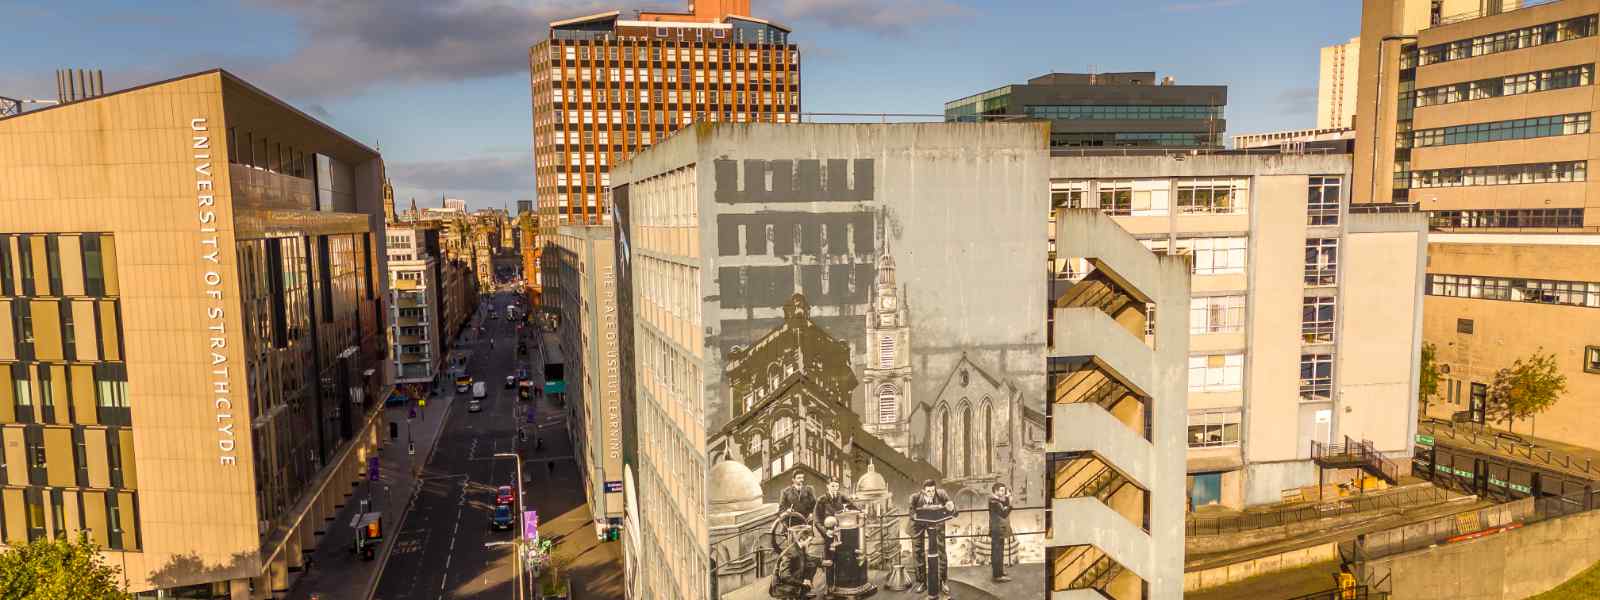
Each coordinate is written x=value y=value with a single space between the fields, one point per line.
x=608 y=85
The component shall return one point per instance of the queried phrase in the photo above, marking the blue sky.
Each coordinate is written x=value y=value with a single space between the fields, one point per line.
x=442 y=86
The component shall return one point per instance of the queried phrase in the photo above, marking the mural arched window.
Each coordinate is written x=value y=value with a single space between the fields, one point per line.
x=966 y=464
x=986 y=443
x=888 y=404
x=941 y=438
x=782 y=428
x=774 y=375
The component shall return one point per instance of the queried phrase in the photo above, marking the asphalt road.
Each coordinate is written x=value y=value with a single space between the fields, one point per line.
x=443 y=551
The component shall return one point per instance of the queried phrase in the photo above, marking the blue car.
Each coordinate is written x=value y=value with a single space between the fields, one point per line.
x=502 y=520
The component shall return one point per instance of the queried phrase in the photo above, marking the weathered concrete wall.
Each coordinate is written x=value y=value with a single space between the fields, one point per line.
x=1194 y=581
x=1505 y=566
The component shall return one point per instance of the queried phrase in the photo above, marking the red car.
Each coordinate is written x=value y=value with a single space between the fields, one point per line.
x=504 y=495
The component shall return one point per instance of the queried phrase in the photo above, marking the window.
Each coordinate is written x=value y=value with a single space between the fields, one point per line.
x=1216 y=314
x=1516 y=129
x=1072 y=194
x=1591 y=359
x=888 y=409
x=1541 y=291
x=1216 y=372
x=1506 y=41
x=1509 y=85
x=1322 y=202
x=1528 y=218
x=1215 y=256
x=1220 y=196
x=1322 y=261
x=111 y=386
x=1464 y=326
x=1213 y=429
x=1316 y=320
x=1079 y=112
x=1116 y=198
x=1316 y=377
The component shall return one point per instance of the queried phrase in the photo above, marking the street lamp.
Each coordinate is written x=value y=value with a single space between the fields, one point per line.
x=521 y=527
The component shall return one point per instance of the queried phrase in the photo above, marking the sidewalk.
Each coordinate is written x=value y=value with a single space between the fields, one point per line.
x=337 y=573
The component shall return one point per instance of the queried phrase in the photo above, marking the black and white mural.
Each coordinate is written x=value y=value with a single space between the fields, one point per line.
x=863 y=441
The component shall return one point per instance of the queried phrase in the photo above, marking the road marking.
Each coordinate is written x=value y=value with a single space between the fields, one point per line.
x=442 y=579
x=447 y=558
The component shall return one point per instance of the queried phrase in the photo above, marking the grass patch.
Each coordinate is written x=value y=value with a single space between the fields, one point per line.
x=1582 y=586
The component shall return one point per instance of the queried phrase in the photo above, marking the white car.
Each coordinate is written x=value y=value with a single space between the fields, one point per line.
x=474 y=406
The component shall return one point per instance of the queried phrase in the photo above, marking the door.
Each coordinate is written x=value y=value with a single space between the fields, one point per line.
x=1322 y=430
x=1480 y=399
x=1205 y=489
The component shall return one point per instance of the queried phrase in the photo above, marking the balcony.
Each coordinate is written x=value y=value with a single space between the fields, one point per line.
x=1086 y=567
x=408 y=301
x=411 y=357
x=407 y=284
x=405 y=321
x=256 y=188
x=1086 y=475
x=411 y=339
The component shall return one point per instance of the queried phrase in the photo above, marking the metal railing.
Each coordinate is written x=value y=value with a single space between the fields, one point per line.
x=1509 y=444
x=1355 y=454
x=1359 y=592
x=1198 y=526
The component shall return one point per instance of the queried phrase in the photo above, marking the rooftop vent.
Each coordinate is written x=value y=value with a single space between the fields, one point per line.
x=73 y=85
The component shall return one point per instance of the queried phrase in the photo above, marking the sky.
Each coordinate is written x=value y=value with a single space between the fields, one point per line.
x=441 y=86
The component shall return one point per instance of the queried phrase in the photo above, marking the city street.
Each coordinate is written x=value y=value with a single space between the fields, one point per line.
x=446 y=548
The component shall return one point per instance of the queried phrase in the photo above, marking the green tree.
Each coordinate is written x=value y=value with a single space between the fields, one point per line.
x=1428 y=382
x=59 y=570
x=1526 y=388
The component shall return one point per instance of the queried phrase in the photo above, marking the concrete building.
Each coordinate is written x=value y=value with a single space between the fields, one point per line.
x=193 y=357
x=1121 y=110
x=416 y=308
x=1299 y=140
x=1485 y=125
x=789 y=302
x=1285 y=282
x=610 y=84
x=585 y=297
x=1336 y=85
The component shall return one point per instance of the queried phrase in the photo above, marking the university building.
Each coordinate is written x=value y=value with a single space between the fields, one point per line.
x=1285 y=283
x=193 y=339
x=1117 y=110
x=1483 y=121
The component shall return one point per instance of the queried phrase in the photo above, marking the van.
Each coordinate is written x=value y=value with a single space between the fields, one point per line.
x=480 y=390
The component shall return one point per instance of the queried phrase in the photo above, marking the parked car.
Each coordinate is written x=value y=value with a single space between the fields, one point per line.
x=502 y=519
x=504 y=495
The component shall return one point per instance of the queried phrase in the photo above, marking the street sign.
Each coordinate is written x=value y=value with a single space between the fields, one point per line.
x=530 y=525
x=1424 y=440
x=372 y=468
x=613 y=487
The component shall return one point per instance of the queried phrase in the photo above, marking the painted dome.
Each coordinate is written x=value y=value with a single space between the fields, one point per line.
x=734 y=488
x=871 y=487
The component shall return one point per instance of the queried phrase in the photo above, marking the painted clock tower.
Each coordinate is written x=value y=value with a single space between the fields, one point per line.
x=887 y=377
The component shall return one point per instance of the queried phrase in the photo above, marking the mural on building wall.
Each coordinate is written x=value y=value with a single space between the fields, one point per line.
x=832 y=413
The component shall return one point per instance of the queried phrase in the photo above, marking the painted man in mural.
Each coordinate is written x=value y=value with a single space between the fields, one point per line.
x=829 y=505
x=930 y=508
x=796 y=567
x=798 y=502
x=999 y=529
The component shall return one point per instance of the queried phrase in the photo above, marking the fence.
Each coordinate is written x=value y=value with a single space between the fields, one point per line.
x=1509 y=444
x=1417 y=536
x=1359 y=592
x=1198 y=526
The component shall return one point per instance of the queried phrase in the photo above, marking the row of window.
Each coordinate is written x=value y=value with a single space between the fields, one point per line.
x=1152 y=197
x=1216 y=314
x=670 y=53
x=1316 y=319
x=1552 y=172
x=658 y=96
x=1322 y=261
x=1515 y=129
x=1225 y=373
x=1211 y=429
x=1509 y=85
x=79 y=329
x=86 y=457
x=1133 y=140
x=1506 y=41
x=110 y=518
x=1542 y=291
x=1071 y=112
x=58 y=265
x=1517 y=217
x=64 y=394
